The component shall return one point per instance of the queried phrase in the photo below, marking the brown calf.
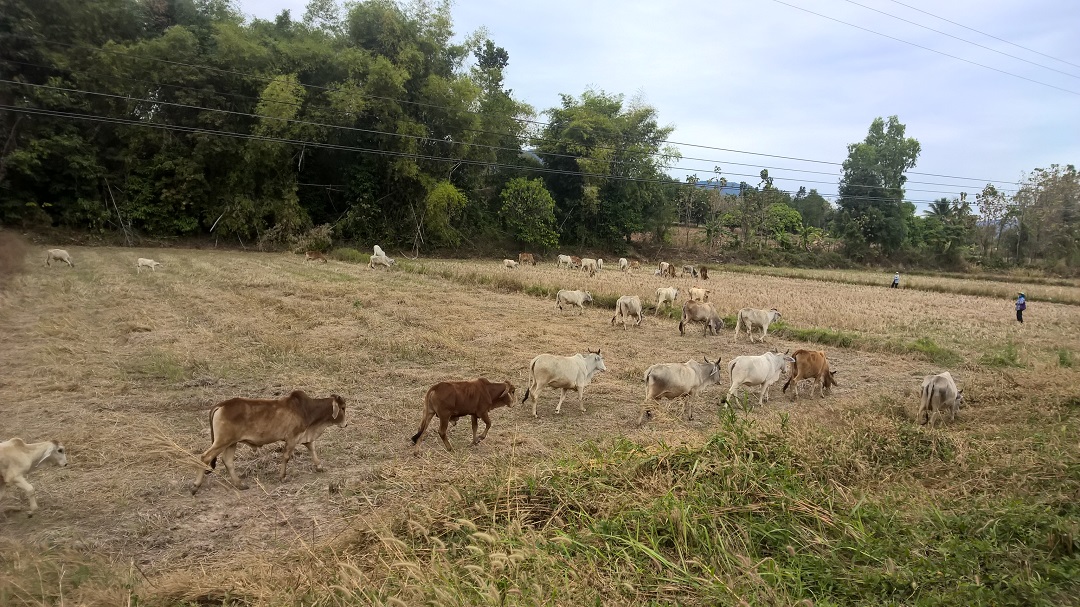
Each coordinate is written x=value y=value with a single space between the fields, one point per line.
x=315 y=256
x=703 y=272
x=575 y=261
x=526 y=258
x=453 y=399
x=295 y=419
x=811 y=364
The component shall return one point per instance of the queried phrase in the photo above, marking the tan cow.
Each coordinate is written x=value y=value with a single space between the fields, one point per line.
x=58 y=255
x=811 y=364
x=705 y=313
x=296 y=419
x=625 y=307
x=450 y=400
x=526 y=258
x=18 y=458
x=699 y=294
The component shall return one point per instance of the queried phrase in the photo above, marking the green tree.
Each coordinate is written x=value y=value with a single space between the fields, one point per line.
x=872 y=213
x=529 y=212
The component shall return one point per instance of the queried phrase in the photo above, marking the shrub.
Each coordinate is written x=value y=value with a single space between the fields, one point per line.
x=350 y=255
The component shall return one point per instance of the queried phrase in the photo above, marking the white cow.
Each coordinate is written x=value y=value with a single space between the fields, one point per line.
x=625 y=307
x=937 y=394
x=763 y=370
x=378 y=252
x=146 y=263
x=699 y=294
x=599 y=264
x=573 y=298
x=510 y=263
x=624 y=265
x=665 y=295
x=664 y=267
x=588 y=264
x=678 y=380
x=565 y=259
x=58 y=255
x=750 y=318
x=691 y=270
x=564 y=372
x=18 y=458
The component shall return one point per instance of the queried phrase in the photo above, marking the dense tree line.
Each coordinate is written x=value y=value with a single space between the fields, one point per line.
x=181 y=117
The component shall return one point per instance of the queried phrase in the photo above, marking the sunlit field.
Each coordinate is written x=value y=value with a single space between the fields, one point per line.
x=764 y=507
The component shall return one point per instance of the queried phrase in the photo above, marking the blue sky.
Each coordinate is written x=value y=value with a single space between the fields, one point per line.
x=761 y=76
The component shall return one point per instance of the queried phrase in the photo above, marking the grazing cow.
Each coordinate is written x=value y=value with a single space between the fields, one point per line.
x=703 y=272
x=691 y=270
x=625 y=307
x=567 y=260
x=704 y=313
x=599 y=264
x=624 y=265
x=453 y=399
x=635 y=265
x=937 y=394
x=678 y=380
x=588 y=264
x=18 y=458
x=665 y=295
x=750 y=318
x=575 y=262
x=564 y=372
x=699 y=294
x=296 y=419
x=663 y=267
x=573 y=298
x=526 y=258
x=378 y=252
x=58 y=255
x=143 y=262
x=381 y=260
x=811 y=364
x=314 y=256
x=763 y=370
x=510 y=263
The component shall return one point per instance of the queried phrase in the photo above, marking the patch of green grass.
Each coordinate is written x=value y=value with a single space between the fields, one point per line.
x=828 y=337
x=158 y=365
x=350 y=255
x=1065 y=358
x=1005 y=356
x=932 y=352
x=742 y=519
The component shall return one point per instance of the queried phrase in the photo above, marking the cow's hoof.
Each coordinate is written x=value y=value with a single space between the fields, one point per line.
x=320 y=469
x=243 y=486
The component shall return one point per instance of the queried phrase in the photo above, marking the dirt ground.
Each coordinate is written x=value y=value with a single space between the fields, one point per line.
x=123 y=367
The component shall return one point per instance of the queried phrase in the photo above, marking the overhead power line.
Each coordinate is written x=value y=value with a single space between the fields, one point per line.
x=971 y=29
x=316 y=144
x=927 y=48
x=982 y=46
x=524 y=120
x=414 y=137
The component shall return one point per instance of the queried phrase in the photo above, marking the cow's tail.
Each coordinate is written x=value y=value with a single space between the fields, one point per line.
x=794 y=369
x=213 y=462
x=532 y=378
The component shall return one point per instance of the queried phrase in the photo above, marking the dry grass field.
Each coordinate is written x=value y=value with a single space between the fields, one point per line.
x=123 y=368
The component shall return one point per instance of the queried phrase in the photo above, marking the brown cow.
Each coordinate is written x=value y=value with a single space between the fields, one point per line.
x=703 y=272
x=295 y=419
x=635 y=265
x=526 y=258
x=705 y=313
x=314 y=256
x=453 y=399
x=811 y=364
x=575 y=261
x=671 y=271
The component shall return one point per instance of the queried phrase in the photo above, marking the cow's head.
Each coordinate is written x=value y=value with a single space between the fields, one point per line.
x=714 y=373
x=508 y=394
x=337 y=411
x=959 y=398
x=588 y=298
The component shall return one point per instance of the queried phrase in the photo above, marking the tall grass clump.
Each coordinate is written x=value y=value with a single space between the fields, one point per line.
x=1065 y=358
x=1005 y=356
x=827 y=337
x=932 y=352
x=742 y=519
x=350 y=255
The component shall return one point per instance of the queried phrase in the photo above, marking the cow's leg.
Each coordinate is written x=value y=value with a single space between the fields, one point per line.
x=227 y=457
x=558 y=407
x=533 y=389
x=487 y=426
x=28 y=489
x=689 y=408
x=474 y=427
x=286 y=455
x=581 y=398
x=314 y=456
x=638 y=320
x=443 y=424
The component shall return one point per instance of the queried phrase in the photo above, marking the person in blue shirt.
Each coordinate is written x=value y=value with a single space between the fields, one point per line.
x=1021 y=305
x=896 y=280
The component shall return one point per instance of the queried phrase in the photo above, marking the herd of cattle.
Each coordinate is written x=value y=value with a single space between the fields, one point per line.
x=298 y=419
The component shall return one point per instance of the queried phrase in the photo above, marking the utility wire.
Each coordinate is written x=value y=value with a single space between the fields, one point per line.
x=971 y=29
x=927 y=48
x=524 y=120
x=315 y=144
x=982 y=46
x=413 y=137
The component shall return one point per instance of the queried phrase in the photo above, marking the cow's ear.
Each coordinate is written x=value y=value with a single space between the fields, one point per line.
x=336 y=411
x=960 y=391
